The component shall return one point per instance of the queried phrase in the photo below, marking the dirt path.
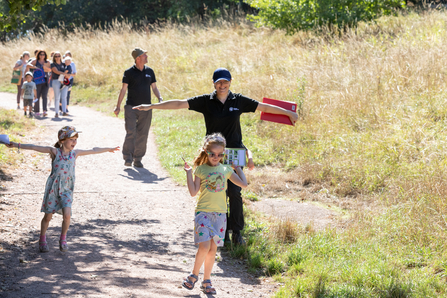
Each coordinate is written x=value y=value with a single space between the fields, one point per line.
x=131 y=231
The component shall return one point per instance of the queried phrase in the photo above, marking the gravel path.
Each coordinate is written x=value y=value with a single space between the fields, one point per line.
x=131 y=233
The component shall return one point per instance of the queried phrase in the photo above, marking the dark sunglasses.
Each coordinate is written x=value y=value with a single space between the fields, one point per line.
x=212 y=154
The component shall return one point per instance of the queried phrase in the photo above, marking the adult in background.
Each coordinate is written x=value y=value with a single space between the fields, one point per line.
x=73 y=74
x=31 y=59
x=50 y=85
x=41 y=62
x=222 y=110
x=137 y=82
x=21 y=64
x=60 y=91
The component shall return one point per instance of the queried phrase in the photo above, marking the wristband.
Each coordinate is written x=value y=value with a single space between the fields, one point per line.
x=18 y=147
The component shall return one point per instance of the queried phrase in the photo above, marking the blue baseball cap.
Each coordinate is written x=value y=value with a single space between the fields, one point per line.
x=221 y=74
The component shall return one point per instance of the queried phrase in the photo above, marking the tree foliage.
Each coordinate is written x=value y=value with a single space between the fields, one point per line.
x=99 y=12
x=13 y=13
x=295 y=15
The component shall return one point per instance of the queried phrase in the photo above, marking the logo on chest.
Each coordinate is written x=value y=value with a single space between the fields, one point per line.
x=233 y=109
x=215 y=182
x=148 y=76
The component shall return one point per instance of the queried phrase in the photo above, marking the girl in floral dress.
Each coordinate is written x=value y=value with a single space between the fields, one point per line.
x=59 y=187
x=210 y=223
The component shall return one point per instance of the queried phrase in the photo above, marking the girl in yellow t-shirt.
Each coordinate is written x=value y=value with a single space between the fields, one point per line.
x=210 y=222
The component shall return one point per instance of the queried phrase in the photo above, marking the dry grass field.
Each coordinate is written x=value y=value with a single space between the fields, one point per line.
x=372 y=105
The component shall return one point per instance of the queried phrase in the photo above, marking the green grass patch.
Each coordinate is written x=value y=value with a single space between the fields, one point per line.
x=179 y=133
x=12 y=123
x=360 y=263
x=8 y=88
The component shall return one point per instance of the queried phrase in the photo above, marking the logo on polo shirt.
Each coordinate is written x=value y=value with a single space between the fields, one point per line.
x=233 y=109
x=148 y=76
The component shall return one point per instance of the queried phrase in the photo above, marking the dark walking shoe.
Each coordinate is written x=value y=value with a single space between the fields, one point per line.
x=128 y=163
x=227 y=240
x=137 y=164
x=238 y=240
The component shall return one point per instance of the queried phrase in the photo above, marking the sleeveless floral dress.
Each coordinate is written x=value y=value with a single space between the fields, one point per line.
x=60 y=184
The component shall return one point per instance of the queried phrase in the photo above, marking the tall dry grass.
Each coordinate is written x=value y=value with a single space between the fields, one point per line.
x=372 y=100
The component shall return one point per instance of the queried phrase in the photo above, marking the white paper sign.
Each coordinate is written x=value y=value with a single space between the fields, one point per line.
x=236 y=155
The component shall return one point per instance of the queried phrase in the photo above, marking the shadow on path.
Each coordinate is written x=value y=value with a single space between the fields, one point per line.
x=91 y=245
x=141 y=174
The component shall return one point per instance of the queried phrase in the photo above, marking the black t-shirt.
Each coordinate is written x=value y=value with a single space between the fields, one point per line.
x=224 y=118
x=60 y=67
x=139 y=85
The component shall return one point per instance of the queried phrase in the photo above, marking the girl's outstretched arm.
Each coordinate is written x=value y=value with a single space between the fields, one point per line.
x=166 y=105
x=238 y=178
x=96 y=150
x=42 y=149
x=193 y=184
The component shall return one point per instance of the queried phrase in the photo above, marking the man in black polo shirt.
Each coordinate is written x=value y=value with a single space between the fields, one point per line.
x=222 y=110
x=138 y=81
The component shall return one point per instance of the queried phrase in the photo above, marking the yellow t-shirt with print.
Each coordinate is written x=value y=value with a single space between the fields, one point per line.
x=213 y=186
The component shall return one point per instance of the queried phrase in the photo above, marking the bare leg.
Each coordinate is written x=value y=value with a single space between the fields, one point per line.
x=202 y=252
x=66 y=221
x=209 y=260
x=45 y=223
x=50 y=96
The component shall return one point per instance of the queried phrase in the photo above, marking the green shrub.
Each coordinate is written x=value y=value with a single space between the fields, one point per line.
x=295 y=15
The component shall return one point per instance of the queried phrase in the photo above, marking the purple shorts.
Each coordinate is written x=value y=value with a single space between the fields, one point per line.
x=210 y=225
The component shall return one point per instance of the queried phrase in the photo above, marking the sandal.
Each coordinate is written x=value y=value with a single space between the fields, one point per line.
x=63 y=245
x=208 y=289
x=188 y=283
x=43 y=246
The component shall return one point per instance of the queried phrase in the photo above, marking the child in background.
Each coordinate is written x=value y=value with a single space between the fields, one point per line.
x=73 y=74
x=67 y=62
x=58 y=195
x=210 y=222
x=29 y=92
